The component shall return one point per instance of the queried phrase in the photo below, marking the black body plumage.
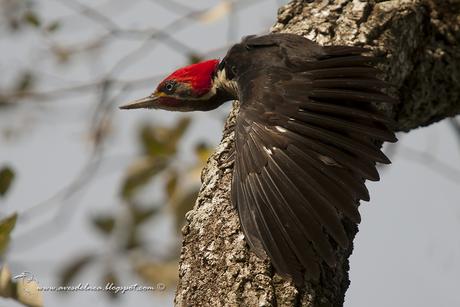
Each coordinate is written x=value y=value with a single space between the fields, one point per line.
x=305 y=142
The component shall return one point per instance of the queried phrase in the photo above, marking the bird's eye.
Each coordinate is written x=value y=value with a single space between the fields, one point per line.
x=169 y=87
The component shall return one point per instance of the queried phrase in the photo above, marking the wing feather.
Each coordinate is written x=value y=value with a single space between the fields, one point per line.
x=350 y=95
x=341 y=72
x=305 y=142
x=346 y=112
x=347 y=125
x=339 y=140
x=362 y=167
x=278 y=243
x=291 y=176
x=247 y=216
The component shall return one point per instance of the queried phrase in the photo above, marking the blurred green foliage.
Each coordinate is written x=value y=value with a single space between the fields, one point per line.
x=73 y=268
x=19 y=289
x=159 y=145
x=6 y=226
x=32 y=19
x=157 y=164
x=6 y=179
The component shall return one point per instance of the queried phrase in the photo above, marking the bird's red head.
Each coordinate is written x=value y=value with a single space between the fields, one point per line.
x=196 y=76
x=183 y=89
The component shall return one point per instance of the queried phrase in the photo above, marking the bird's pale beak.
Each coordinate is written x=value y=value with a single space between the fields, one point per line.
x=148 y=102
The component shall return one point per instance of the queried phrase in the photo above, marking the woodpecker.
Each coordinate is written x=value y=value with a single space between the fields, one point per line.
x=307 y=136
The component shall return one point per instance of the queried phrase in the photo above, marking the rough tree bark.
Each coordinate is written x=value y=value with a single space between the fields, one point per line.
x=420 y=43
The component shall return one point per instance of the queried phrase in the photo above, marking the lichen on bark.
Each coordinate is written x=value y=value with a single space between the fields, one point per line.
x=419 y=43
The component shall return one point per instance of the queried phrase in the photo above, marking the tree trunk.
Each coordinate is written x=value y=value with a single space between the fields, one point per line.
x=419 y=43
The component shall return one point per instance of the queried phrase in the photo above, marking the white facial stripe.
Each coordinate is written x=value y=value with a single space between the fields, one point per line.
x=208 y=95
x=221 y=81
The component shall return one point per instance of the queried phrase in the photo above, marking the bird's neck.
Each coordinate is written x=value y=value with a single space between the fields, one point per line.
x=219 y=97
x=223 y=83
x=222 y=91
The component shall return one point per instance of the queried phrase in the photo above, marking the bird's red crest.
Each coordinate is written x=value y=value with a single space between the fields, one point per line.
x=198 y=75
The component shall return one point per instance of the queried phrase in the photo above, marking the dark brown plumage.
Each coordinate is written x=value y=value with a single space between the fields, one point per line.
x=304 y=145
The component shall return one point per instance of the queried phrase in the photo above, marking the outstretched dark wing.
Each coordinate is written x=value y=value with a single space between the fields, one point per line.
x=305 y=144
